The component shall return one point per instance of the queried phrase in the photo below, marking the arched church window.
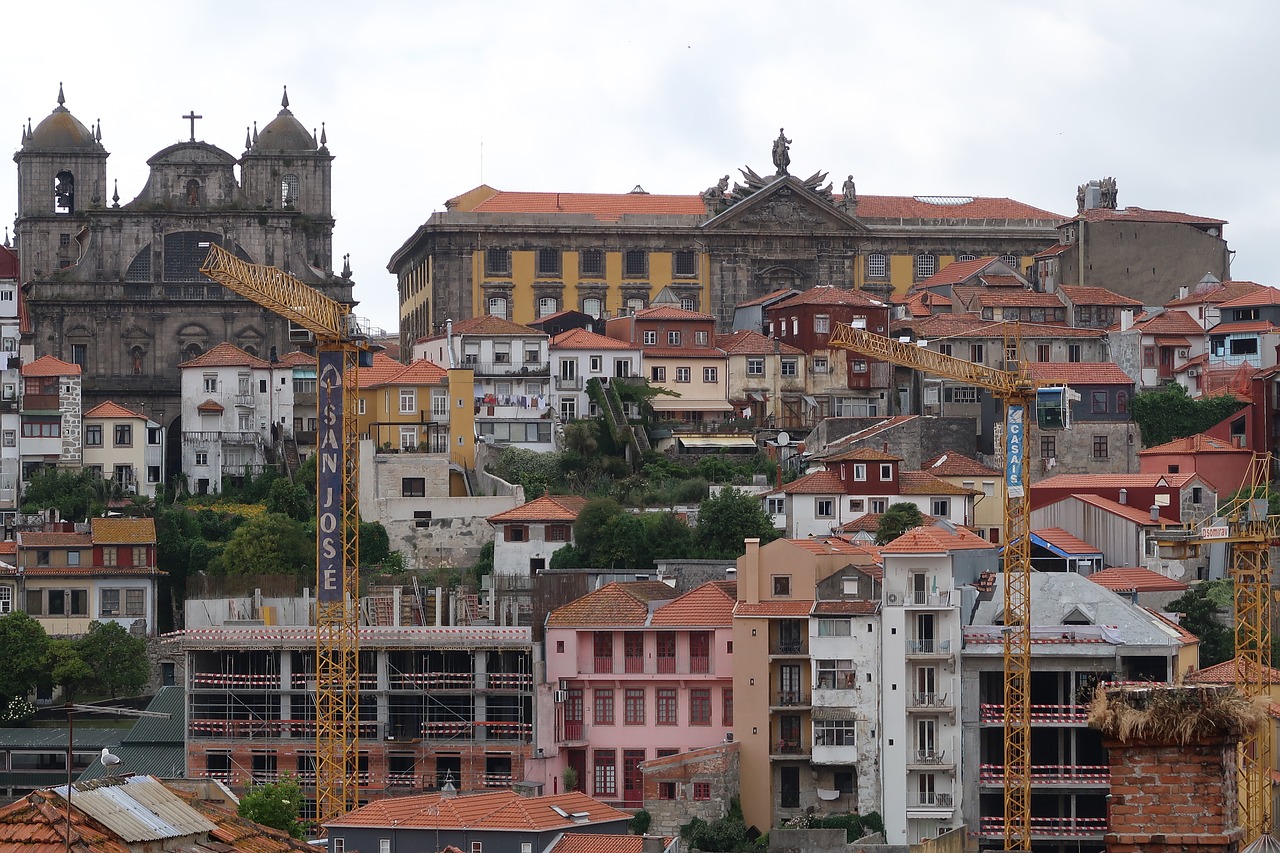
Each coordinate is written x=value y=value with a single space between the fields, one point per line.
x=64 y=194
x=288 y=190
x=193 y=193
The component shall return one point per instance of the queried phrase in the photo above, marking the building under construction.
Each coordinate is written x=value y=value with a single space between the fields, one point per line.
x=438 y=703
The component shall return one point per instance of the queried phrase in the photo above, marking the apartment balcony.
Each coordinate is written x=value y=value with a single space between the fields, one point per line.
x=796 y=699
x=788 y=749
x=930 y=759
x=633 y=666
x=228 y=437
x=1070 y=775
x=506 y=368
x=246 y=401
x=1050 y=828
x=930 y=805
x=40 y=403
x=929 y=649
x=569 y=383
x=931 y=703
x=789 y=648
x=1048 y=715
x=921 y=600
x=572 y=732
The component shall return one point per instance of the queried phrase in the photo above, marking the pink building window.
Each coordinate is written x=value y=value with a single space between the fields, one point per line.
x=700 y=707
x=633 y=651
x=602 y=646
x=667 y=713
x=606 y=773
x=602 y=699
x=666 y=653
x=573 y=715
x=727 y=710
x=702 y=790
x=634 y=708
x=700 y=651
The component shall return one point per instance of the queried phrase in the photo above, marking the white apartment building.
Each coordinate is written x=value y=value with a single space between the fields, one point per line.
x=577 y=357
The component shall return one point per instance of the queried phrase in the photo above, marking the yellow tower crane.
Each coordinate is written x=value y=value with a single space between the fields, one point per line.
x=341 y=343
x=1018 y=393
x=1243 y=524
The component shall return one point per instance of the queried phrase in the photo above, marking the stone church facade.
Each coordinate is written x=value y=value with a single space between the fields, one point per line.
x=116 y=287
x=523 y=255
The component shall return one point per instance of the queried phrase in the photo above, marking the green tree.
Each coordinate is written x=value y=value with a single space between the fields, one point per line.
x=23 y=647
x=66 y=668
x=72 y=493
x=271 y=544
x=118 y=659
x=275 y=804
x=1168 y=413
x=580 y=437
x=897 y=520
x=1199 y=607
x=289 y=499
x=726 y=519
x=375 y=544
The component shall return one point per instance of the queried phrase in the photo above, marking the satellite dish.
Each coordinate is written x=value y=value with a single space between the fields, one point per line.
x=783 y=439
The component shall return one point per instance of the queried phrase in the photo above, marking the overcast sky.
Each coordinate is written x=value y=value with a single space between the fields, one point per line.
x=424 y=100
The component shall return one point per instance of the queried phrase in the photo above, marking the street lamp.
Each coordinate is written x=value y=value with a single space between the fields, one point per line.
x=71 y=708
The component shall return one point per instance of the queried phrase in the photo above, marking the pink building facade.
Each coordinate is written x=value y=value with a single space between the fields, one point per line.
x=634 y=672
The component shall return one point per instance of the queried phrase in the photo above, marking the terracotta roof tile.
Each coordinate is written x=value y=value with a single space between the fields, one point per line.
x=297 y=358
x=226 y=355
x=846 y=608
x=934 y=540
x=771 y=296
x=210 y=407
x=828 y=545
x=8 y=546
x=387 y=371
x=952 y=464
x=613 y=604
x=870 y=523
x=671 y=312
x=862 y=454
x=1079 y=373
x=124 y=531
x=577 y=842
x=1261 y=326
x=828 y=295
x=1084 y=482
x=422 y=372
x=748 y=342
x=707 y=605
x=1229 y=672
x=546 y=508
x=772 y=608
x=924 y=483
x=1138 y=214
x=562 y=313
x=582 y=339
x=872 y=207
x=491 y=325
x=1017 y=298
x=1064 y=541
x=491 y=811
x=383 y=367
x=41 y=539
x=1198 y=443
x=1136 y=580
x=958 y=271
x=605 y=207
x=972 y=326
x=1215 y=294
x=1003 y=281
x=1096 y=296
x=817 y=483
x=683 y=352
x=113 y=410
x=1050 y=252
x=47 y=365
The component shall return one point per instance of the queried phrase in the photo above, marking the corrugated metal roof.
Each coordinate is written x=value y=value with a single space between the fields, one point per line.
x=139 y=809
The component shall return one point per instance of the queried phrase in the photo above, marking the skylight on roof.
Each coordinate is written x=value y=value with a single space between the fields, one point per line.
x=945 y=200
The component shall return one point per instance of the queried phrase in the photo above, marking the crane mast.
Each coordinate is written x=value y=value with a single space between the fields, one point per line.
x=1018 y=393
x=337 y=664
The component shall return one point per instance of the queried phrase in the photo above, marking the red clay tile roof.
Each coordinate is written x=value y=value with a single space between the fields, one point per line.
x=972 y=326
x=421 y=372
x=1138 y=214
x=860 y=607
x=870 y=523
x=491 y=325
x=1132 y=513
x=1079 y=373
x=41 y=539
x=1017 y=298
x=828 y=295
x=112 y=410
x=605 y=207
x=768 y=297
x=747 y=342
x=1064 y=541
x=488 y=811
x=828 y=545
x=1261 y=326
x=210 y=406
x=670 y=312
x=383 y=367
x=612 y=604
x=862 y=454
x=226 y=355
x=297 y=358
x=958 y=271
x=1175 y=322
x=545 y=508
x=1216 y=294
x=918 y=207
x=767 y=609
x=1002 y=280
x=1136 y=580
x=934 y=540
x=924 y=483
x=1198 y=443
x=577 y=842
x=584 y=340
x=706 y=605
x=952 y=464
x=1096 y=296
x=683 y=352
x=47 y=365
x=1229 y=672
x=1113 y=481
x=123 y=531
x=8 y=546
x=1057 y=249
x=817 y=483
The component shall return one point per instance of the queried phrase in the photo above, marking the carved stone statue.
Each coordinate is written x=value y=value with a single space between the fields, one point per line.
x=1107 y=196
x=1080 y=198
x=849 y=191
x=781 y=153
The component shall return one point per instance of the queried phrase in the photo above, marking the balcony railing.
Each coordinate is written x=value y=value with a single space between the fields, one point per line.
x=930 y=756
x=601 y=664
x=506 y=368
x=1076 y=715
x=633 y=664
x=647 y=666
x=666 y=664
x=920 y=598
x=228 y=437
x=1049 y=827
x=929 y=700
x=788 y=647
x=932 y=800
x=787 y=698
x=568 y=383
x=573 y=730
x=1051 y=774
x=699 y=664
x=790 y=746
x=928 y=647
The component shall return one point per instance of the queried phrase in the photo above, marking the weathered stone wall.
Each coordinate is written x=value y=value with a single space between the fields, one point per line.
x=915 y=440
x=716 y=766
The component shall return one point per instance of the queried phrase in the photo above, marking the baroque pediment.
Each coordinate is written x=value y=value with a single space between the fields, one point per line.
x=785 y=204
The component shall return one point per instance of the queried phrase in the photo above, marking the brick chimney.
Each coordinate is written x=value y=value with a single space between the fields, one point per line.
x=1160 y=800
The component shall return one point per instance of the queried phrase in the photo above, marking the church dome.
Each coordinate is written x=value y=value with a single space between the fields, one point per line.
x=284 y=133
x=61 y=131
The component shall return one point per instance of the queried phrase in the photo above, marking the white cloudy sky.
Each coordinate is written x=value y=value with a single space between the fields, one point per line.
x=1016 y=98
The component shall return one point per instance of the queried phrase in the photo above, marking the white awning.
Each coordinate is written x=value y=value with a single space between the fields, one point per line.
x=723 y=442
x=663 y=403
x=810 y=400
